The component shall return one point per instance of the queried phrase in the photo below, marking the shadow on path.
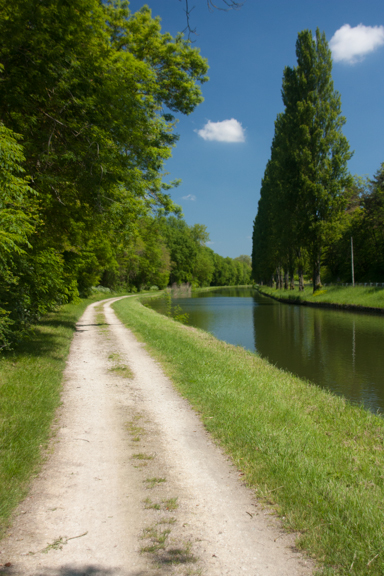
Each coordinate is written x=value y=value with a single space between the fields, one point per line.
x=86 y=570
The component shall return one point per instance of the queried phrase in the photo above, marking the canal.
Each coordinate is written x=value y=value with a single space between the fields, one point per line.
x=341 y=351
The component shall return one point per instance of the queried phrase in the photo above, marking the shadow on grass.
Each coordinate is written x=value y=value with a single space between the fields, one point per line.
x=45 y=339
x=47 y=336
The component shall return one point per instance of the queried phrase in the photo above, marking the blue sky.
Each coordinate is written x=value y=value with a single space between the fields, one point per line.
x=247 y=51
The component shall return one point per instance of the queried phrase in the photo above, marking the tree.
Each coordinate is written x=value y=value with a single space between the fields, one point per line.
x=244 y=264
x=303 y=194
x=318 y=150
x=92 y=83
x=244 y=258
x=183 y=249
x=16 y=224
x=93 y=90
x=264 y=239
x=364 y=221
x=31 y=280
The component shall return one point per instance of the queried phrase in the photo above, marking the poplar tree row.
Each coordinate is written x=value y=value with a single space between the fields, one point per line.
x=304 y=191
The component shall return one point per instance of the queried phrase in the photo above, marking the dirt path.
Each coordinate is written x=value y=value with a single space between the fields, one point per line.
x=134 y=486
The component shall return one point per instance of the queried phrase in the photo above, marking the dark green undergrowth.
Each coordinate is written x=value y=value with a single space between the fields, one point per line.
x=361 y=296
x=312 y=455
x=30 y=386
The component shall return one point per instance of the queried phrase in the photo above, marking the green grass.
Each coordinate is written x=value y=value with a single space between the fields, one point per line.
x=359 y=296
x=142 y=456
x=313 y=456
x=30 y=386
x=152 y=482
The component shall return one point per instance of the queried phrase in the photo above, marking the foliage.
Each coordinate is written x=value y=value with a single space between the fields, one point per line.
x=364 y=222
x=303 y=194
x=92 y=90
x=31 y=280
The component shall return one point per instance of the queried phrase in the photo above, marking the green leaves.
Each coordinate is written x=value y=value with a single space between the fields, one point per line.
x=303 y=192
x=93 y=90
x=15 y=195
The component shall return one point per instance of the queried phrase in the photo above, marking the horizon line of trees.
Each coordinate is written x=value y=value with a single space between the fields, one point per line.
x=168 y=251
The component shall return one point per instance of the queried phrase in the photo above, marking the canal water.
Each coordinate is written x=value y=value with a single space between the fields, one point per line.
x=337 y=350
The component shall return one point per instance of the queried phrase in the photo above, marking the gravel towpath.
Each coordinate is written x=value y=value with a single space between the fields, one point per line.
x=133 y=485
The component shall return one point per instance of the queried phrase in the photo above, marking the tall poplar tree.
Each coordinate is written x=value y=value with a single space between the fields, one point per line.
x=317 y=149
x=303 y=193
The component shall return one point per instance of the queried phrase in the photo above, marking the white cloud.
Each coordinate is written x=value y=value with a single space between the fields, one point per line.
x=191 y=197
x=351 y=45
x=225 y=131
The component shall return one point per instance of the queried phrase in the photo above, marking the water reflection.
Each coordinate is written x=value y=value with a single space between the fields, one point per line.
x=338 y=350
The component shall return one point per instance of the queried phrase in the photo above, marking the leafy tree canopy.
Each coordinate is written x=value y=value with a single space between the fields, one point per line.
x=92 y=90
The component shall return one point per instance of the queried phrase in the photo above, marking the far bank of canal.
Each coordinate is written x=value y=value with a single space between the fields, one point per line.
x=341 y=351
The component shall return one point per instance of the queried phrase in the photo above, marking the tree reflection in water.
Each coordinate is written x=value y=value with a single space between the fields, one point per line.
x=338 y=350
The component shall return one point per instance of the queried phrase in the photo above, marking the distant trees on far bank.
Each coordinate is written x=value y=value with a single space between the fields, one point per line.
x=364 y=222
x=168 y=251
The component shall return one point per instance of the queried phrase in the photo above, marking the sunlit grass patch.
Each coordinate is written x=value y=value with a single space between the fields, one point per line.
x=359 y=296
x=158 y=539
x=122 y=370
x=118 y=367
x=150 y=505
x=152 y=482
x=142 y=456
x=168 y=504
x=316 y=458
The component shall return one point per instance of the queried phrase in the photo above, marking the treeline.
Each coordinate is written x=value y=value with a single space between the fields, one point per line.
x=306 y=186
x=311 y=211
x=363 y=222
x=168 y=251
x=88 y=93
x=88 y=96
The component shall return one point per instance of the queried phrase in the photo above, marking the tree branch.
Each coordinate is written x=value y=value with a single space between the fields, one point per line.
x=228 y=5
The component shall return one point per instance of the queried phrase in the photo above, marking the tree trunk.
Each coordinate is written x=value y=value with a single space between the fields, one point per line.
x=279 y=283
x=301 y=279
x=316 y=280
x=291 y=272
x=286 y=279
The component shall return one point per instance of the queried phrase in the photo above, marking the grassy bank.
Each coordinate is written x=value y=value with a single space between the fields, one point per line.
x=343 y=296
x=30 y=386
x=316 y=458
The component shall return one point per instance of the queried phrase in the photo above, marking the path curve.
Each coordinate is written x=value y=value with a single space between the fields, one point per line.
x=133 y=484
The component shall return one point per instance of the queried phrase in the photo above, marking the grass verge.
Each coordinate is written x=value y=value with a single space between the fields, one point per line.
x=312 y=455
x=30 y=386
x=343 y=296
